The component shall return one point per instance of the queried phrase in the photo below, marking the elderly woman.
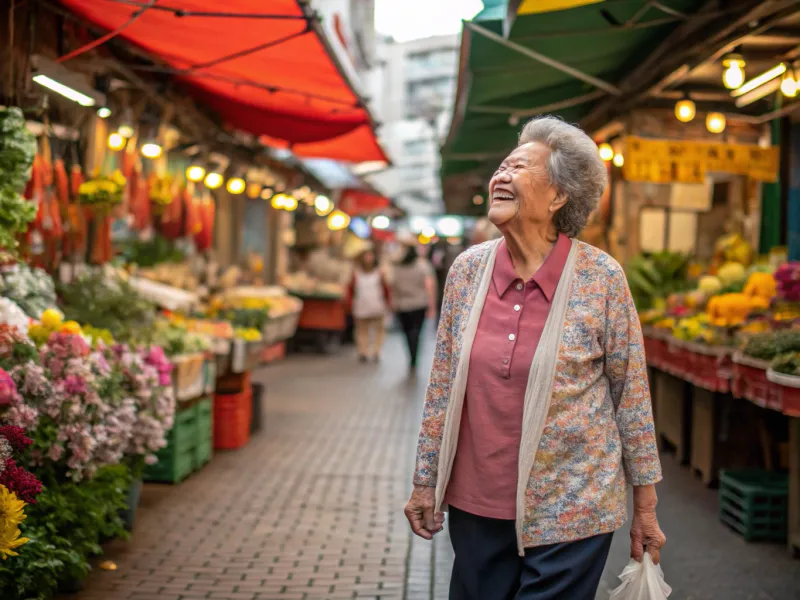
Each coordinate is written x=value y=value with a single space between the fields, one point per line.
x=537 y=414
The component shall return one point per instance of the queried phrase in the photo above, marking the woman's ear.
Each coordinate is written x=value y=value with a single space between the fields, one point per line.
x=559 y=201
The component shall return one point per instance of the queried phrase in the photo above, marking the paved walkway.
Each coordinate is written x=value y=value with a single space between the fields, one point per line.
x=312 y=509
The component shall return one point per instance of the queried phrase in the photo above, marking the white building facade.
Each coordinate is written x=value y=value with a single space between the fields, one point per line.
x=412 y=94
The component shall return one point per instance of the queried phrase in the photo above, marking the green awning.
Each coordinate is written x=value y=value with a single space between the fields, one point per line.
x=500 y=86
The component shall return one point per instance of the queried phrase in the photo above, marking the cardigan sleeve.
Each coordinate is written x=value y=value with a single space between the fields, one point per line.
x=437 y=395
x=626 y=370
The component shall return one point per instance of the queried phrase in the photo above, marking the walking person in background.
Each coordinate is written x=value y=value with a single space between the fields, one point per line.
x=369 y=301
x=413 y=297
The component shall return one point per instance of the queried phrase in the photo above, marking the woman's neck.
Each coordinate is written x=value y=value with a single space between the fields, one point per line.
x=528 y=252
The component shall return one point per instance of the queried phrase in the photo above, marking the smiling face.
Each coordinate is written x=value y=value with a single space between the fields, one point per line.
x=520 y=193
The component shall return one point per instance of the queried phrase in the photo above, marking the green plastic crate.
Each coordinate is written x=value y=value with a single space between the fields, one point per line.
x=203 y=453
x=204 y=431
x=176 y=460
x=754 y=503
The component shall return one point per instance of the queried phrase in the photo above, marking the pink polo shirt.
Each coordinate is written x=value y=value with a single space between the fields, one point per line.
x=484 y=476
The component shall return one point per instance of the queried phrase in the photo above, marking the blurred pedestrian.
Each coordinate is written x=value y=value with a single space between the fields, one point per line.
x=413 y=297
x=538 y=412
x=369 y=299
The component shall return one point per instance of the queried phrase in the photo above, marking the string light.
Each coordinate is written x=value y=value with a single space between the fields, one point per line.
x=195 y=173
x=235 y=185
x=618 y=160
x=715 y=122
x=213 y=180
x=338 y=220
x=116 y=141
x=606 y=151
x=323 y=205
x=151 y=150
x=685 y=110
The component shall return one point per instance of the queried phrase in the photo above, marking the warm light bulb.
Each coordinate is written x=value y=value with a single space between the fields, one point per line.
x=424 y=239
x=685 y=110
x=151 y=150
x=103 y=112
x=619 y=160
x=606 y=151
x=125 y=131
x=195 y=173
x=289 y=203
x=381 y=222
x=235 y=185
x=323 y=205
x=278 y=201
x=715 y=122
x=477 y=199
x=253 y=190
x=116 y=141
x=789 y=86
x=733 y=76
x=338 y=220
x=213 y=180
x=266 y=194
x=428 y=231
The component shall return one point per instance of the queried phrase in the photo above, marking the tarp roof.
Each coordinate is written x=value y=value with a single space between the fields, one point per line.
x=265 y=68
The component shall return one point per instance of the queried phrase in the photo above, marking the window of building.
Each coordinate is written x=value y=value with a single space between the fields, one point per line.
x=428 y=93
x=415 y=147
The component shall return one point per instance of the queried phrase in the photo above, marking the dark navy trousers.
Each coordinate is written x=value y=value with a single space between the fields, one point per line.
x=488 y=566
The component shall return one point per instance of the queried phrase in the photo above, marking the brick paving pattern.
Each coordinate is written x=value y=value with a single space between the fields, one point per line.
x=312 y=509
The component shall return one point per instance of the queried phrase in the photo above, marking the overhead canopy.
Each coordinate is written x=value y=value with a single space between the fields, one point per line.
x=358 y=202
x=264 y=67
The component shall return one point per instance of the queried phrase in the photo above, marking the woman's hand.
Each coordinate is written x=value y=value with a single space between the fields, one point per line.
x=420 y=512
x=646 y=535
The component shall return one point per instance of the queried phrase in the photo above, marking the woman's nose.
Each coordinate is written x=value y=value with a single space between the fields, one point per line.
x=503 y=176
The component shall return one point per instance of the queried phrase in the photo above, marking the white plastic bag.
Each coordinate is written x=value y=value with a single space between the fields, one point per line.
x=642 y=581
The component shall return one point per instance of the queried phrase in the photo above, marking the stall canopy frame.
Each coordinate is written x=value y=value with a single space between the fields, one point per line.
x=264 y=68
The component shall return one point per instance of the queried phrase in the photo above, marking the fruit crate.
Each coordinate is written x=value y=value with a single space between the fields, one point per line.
x=754 y=503
x=176 y=461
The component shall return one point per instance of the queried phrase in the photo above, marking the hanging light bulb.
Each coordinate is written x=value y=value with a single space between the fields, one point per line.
x=253 y=190
x=381 y=222
x=266 y=193
x=606 y=151
x=195 y=172
x=477 y=199
x=289 y=203
x=213 y=180
x=733 y=76
x=151 y=149
x=789 y=85
x=715 y=122
x=279 y=201
x=323 y=205
x=125 y=130
x=235 y=185
x=116 y=141
x=685 y=110
x=103 y=112
x=338 y=220
x=618 y=160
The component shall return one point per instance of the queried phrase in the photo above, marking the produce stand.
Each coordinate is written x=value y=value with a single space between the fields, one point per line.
x=322 y=321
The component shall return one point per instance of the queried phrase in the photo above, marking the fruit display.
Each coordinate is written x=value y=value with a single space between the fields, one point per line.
x=731 y=274
x=51 y=321
x=732 y=248
x=248 y=334
x=767 y=346
x=787 y=364
x=728 y=310
x=176 y=340
x=762 y=285
x=787 y=277
x=695 y=329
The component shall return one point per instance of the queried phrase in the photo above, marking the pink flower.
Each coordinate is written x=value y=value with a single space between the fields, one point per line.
x=74 y=385
x=8 y=390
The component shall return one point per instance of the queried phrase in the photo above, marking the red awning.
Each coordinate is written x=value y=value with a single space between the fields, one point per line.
x=266 y=76
x=359 y=202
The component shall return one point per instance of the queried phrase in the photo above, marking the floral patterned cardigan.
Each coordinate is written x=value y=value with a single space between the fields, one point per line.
x=598 y=434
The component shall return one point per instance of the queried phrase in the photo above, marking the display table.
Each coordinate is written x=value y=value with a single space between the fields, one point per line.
x=322 y=321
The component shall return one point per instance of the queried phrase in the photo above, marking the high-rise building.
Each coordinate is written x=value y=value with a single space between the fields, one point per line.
x=412 y=89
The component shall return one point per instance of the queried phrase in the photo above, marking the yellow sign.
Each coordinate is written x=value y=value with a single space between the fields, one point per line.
x=668 y=161
x=530 y=7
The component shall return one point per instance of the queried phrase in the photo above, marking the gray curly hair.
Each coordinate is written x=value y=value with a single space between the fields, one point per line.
x=574 y=167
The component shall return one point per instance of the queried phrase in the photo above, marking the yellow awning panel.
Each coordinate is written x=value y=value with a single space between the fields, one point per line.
x=530 y=7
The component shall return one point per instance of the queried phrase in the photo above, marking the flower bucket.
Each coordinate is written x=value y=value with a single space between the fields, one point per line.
x=134 y=494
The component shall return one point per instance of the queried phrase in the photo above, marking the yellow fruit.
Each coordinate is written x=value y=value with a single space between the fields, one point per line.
x=71 y=327
x=51 y=318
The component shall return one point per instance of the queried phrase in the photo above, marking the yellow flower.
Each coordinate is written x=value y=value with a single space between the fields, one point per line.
x=11 y=515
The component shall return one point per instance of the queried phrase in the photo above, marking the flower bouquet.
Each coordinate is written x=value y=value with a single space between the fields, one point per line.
x=102 y=190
